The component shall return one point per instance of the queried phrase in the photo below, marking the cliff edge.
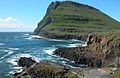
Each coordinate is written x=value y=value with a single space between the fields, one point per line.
x=72 y=20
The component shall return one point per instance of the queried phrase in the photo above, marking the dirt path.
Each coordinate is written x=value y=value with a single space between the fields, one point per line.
x=92 y=73
x=97 y=73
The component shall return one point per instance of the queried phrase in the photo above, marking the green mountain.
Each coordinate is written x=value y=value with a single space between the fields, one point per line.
x=69 y=19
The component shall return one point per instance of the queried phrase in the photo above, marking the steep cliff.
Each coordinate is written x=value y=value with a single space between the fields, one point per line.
x=69 y=19
x=102 y=49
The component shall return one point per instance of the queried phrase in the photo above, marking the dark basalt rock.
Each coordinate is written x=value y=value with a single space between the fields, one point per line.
x=100 y=51
x=26 y=62
x=43 y=69
x=80 y=55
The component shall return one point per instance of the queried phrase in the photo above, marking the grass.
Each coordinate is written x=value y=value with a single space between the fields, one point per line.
x=81 y=18
x=117 y=73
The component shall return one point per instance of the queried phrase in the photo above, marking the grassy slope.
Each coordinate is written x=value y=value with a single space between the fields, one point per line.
x=117 y=73
x=76 y=20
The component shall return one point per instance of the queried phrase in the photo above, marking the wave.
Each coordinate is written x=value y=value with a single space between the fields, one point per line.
x=50 y=51
x=9 y=53
x=2 y=44
x=15 y=59
x=57 y=40
x=16 y=70
x=34 y=37
x=29 y=38
x=84 y=45
x=65 y=40
x=13 y=48
x=74 y=45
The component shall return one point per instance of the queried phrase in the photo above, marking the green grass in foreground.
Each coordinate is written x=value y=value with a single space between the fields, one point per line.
x=117 y=73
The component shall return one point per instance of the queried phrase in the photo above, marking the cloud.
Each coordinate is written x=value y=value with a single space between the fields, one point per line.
x=11 y=25
x=8 y=19
x=10 y=22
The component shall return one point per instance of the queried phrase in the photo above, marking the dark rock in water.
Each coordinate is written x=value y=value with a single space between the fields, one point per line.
x=42 y=69
x=80 y=55
x=26 y=62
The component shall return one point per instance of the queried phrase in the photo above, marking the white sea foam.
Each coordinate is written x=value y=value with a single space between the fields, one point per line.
x=36 y=37
x=50 y=51
x=2 y=44
x=17 y=68
x=29 y=38
x=13 y=48
x=84 y=45
x=9 y=53
x=74 y=40
x=75 y=45
x=14 y=59
x=56 y=40
x=15 y=71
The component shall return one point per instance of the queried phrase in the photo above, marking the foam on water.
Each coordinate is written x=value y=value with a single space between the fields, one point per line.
x=2 y=44
x=13 y=48
x=50 y=51
x=34 y=37
x=13 y=60
x=56 y=40
x=74 y=45
x=84 y=45
x=16 y=70
x=9 y=53
x=29 y=38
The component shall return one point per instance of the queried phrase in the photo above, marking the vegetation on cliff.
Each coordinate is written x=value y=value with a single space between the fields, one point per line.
x=69 y=19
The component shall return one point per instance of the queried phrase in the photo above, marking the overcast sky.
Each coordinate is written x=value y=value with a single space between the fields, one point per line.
x=23 y=15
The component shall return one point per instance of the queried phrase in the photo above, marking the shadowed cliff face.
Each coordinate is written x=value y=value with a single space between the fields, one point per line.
x=101 y=50
x=69 y=20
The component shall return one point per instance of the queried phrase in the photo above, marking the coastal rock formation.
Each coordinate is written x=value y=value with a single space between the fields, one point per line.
x=72 y=20
x=80 y=55
x=101 y=50
x=26 y=62
x=42 y=69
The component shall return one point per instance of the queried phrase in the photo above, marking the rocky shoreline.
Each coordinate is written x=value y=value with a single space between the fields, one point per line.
x=43 y=69
x=100 y=51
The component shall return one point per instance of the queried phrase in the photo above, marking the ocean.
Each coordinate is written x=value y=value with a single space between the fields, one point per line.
x=14 y=45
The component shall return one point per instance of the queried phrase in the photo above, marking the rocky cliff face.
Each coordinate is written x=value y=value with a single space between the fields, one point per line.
x=105 y=46
x=70 y=20
x=101 y=50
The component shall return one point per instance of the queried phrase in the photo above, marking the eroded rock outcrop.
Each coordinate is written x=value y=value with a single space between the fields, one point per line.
x=100 y=50
x=80 y=55
x=43 y=69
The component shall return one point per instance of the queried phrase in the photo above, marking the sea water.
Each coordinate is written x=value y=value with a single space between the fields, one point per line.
x=14 y=45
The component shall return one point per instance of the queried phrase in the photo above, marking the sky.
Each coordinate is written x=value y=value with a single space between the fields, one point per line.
x=24 y=15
